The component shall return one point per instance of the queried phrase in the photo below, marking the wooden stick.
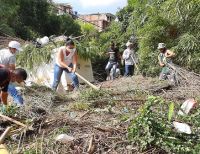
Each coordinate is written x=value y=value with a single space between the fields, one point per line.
x=84 y=114
x=86 y=81
x=91 y=146
x=135 y=63
x=5 y=133
x=13 y=120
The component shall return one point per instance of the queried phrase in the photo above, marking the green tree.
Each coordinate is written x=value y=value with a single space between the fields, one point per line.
x=28 y=19
x=7 y=12
x=87 y=28
x=174 y=22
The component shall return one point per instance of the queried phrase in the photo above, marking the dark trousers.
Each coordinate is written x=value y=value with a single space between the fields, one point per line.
x=129 y=70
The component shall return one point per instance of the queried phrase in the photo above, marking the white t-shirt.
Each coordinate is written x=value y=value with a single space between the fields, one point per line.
x=6 y=57
x=68 y=59
x=129 y=57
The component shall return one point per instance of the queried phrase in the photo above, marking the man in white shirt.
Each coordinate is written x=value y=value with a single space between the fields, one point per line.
x=130 y=59
x=7 y=55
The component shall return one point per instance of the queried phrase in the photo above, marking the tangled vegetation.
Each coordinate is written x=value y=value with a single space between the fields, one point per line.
x=153 y=128
x=174 y=22
x=32 y=57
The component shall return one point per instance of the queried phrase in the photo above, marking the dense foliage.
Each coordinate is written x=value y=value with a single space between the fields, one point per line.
x=153 y=128
x=28 y=19
x=174 y=22
x=32 y=57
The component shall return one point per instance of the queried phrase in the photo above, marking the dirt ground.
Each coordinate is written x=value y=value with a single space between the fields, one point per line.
x=98 y=121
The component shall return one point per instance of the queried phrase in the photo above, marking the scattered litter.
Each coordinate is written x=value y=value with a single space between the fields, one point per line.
x=43 y=41
x=187 y=106
x=64 y=138
x=182 y=127
x=72 y=115
x=98 y=110
x=129 y=147
x=125 y=109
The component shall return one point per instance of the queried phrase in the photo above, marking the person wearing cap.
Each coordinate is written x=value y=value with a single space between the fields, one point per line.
x=114 y=56
x=8 y=60
x=8 y=55
x=130 y=59
x=164 y=58
x=66 y=60
x=6 y=76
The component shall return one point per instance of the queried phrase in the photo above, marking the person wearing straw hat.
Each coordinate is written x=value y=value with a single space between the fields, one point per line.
x=130 y=59
x=8 y=60
x=66 y=60
x=164 y=58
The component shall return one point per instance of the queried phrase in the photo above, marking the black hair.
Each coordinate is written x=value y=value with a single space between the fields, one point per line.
x=21 y=72
x=164 y=50
x=69 y=42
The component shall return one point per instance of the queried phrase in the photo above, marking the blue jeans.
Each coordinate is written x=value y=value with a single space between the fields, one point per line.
x=57 y=75
x=109 y=66
x=17 y=98
x=129 y=69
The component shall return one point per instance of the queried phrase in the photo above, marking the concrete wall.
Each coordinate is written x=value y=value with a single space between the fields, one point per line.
x=101 y=20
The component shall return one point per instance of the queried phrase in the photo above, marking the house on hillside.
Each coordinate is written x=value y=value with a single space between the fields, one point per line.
x=101 y=20
x=65 y=8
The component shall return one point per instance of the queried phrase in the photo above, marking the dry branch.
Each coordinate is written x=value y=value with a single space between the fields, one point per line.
x=5 y=133
x=13 y=120
x=91 y=147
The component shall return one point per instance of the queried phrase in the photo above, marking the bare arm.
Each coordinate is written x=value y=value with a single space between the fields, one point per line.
x=12 y=62
x=61 y=60
x=11 y=66
x=4 y=97
x=2 y=66
x=160 y=62
x=169 y=54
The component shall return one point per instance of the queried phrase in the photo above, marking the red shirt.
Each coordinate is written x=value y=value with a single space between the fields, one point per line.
x=4 y=79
